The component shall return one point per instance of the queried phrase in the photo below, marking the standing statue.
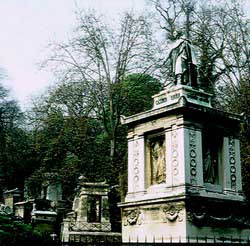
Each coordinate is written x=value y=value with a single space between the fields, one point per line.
x=158 y=162
x=208 y=168
x=183 y=62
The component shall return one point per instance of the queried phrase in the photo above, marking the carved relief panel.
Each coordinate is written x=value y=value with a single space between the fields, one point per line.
x=132 y=217
x=173 y=212
x=156 y=159
x=212 y=142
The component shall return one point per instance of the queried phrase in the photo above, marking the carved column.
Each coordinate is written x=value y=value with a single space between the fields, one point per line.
x=136 y=164
x=231 y=163
x=177 y=156
x=130 y=164
x=168 y=139
x=193 y=156
x=139 y=164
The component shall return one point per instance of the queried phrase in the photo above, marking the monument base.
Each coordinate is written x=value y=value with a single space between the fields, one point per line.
x=172 y=95
x=185 y=220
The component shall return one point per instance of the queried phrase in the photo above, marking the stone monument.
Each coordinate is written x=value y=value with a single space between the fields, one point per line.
x=89 y=220
x=184 y=171
x=11 y=197
x=45 y=207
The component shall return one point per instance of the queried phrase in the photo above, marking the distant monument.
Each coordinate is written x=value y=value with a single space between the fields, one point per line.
x=89 y=220
x=43 y=208
x=184 y=170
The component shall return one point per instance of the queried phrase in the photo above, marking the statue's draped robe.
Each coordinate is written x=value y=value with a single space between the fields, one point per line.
x=183 y=60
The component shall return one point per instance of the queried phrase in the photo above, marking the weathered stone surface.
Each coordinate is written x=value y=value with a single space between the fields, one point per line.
x=160 y=204
x=90 y=214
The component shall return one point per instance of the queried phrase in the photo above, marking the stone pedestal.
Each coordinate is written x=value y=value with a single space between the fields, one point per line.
x=183 y=153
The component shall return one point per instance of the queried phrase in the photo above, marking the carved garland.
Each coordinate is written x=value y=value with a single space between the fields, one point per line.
x=205 y=218
x=192 y=154
x=232 y=162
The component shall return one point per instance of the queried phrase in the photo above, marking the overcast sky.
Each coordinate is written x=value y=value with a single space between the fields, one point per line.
x=28 y=26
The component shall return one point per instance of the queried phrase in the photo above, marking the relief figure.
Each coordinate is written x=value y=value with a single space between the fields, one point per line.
x=158 y=164
x=208 y=165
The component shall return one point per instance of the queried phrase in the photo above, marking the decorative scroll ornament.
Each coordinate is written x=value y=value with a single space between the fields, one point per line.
x=131 y=217
x=173 y=212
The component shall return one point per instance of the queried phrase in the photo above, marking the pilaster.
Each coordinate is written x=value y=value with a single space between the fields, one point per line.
x=193 y=156
x=177 y=155
x=238 y=166
x=136 y=164
x=168 y=139
x=130 y=165
x=226 y=170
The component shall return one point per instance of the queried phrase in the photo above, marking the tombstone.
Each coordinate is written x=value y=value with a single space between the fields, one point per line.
x=51 y=188
x=43 y=217
x=89 y=219
x=11 y=197
x=48 y=207
x=23 y=210
x=184 y=171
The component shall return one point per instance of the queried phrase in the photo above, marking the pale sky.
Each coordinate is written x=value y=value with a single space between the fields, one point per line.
x=28 y=26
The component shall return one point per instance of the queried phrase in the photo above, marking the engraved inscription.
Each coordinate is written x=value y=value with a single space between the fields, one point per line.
x=161 y=100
